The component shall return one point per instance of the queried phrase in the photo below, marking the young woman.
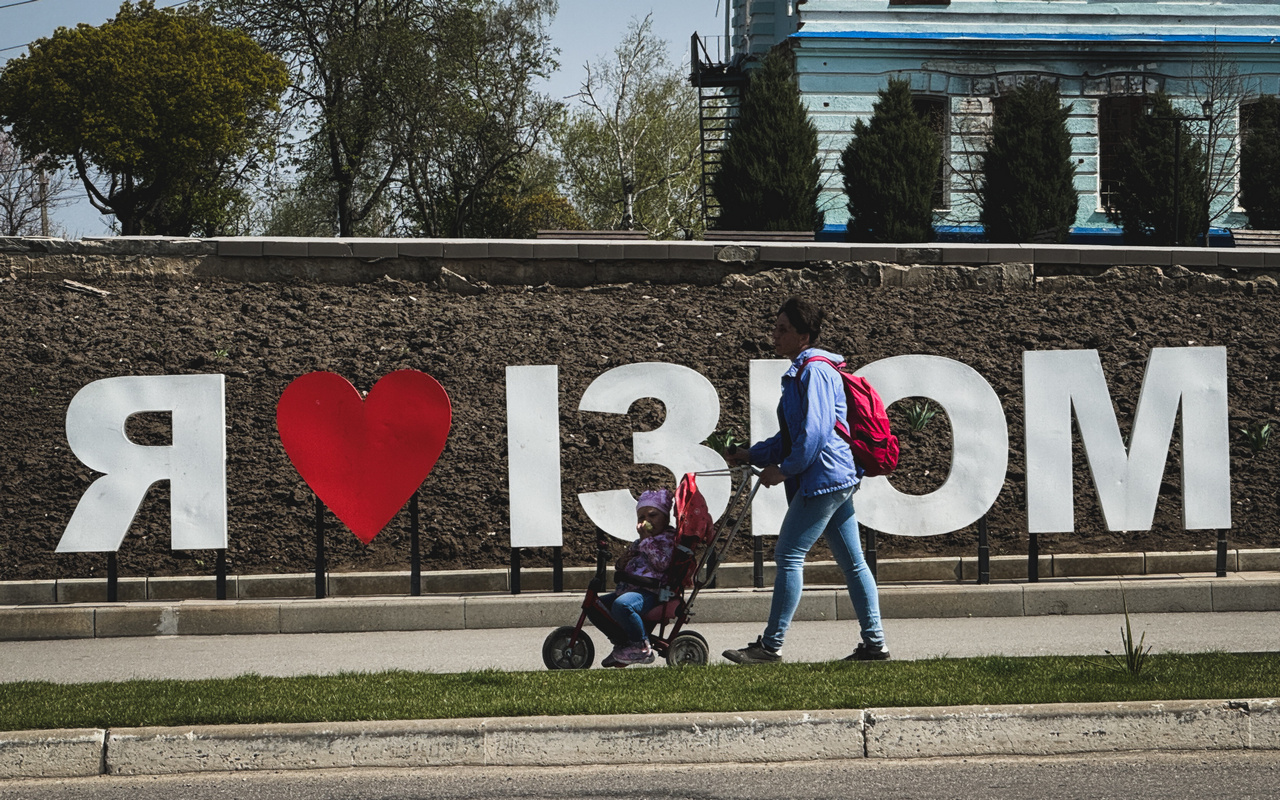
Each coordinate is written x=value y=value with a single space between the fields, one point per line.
x=821 y=477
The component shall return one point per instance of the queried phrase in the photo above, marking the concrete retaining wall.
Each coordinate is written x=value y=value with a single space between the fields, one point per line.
x=1240 y=592
x=731 y=575
x=757 y=736
x=466 y=266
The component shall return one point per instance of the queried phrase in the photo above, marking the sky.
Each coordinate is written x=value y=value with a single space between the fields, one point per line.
x=584 y=30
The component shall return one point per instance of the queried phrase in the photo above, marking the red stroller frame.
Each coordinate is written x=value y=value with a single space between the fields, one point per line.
x=570 y=647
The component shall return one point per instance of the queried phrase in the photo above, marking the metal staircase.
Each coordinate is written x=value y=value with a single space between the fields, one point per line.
x=720 y=89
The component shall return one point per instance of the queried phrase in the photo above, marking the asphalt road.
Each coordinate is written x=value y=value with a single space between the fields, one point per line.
x=83 y=660
x=1150 y=776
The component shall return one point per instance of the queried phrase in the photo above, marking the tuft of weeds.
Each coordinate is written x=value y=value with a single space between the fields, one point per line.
x=920 y=415
x=725 y=441
x=1257 y=436
x=1134 y=659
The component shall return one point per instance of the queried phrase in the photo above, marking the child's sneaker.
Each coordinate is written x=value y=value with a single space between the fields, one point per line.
x=638 y=653
x=613 y=659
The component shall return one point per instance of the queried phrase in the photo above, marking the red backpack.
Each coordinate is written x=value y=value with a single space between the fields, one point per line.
x=874 y=447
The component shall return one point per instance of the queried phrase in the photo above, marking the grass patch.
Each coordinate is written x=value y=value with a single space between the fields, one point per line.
x=995 y=680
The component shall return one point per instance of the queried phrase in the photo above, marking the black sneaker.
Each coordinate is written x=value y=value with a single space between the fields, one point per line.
x=754 y=653
x=866 y=652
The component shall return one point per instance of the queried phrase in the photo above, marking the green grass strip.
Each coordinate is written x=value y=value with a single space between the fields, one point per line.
x=417 y=695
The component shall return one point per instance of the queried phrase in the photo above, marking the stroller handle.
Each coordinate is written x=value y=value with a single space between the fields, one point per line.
x=740 y=470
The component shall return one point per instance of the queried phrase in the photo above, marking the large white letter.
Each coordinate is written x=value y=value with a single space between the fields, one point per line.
x=693 y=409
x=770 y=503
x=979 y=448
x=533 y=456
x=195 y=464
x=1128 y=484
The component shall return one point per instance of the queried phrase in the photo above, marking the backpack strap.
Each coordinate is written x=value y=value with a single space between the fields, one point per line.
x=823 y=359
x=842 y=427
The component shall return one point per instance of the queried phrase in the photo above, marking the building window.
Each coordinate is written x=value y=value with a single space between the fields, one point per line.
x=1117 y=117
x=1246 y=123
x=934 y=112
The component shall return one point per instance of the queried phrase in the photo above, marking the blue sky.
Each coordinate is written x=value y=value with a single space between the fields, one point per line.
x=584 y=30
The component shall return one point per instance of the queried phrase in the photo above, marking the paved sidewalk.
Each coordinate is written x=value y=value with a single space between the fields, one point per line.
x=922 y=620
x=520 y=649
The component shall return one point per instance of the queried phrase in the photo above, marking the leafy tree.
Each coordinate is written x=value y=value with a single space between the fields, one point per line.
x=890 y=167
x=428 y=99
x=1260 y=165
x=769 y=175
x=631 y=150
x=531 y=203
x=1155 y=159
x=521 y=216
x=348 y=60
x=148 y=108
x=468 y=133
x=1028 y=175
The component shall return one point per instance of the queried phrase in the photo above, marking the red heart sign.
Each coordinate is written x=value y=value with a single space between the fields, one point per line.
x=364 y=458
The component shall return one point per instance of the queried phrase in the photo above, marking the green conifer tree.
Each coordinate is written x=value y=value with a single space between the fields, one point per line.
x=1028 y=191
x=1260 y=165
x=890 y=168
x=1149 y=170
x=769 y=175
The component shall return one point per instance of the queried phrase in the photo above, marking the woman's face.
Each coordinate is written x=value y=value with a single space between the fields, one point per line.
x=656 y=519
x=786 y=342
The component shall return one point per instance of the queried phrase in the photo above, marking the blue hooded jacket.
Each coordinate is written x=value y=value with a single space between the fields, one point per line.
x=818 y=461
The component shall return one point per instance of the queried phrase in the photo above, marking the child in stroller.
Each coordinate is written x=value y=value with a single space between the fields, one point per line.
x=640 y=572
x=690 y=553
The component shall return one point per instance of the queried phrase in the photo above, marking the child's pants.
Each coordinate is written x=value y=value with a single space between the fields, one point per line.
x=628 y=609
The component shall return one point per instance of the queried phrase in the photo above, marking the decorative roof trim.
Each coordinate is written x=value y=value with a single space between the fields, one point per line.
x=1027 y=36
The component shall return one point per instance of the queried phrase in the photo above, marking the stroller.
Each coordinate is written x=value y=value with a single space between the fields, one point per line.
x=693 y=567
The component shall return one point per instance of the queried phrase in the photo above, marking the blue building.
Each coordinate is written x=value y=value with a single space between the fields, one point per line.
x=1106 y=57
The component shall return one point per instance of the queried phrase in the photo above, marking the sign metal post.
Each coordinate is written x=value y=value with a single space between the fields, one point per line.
x=320 y=563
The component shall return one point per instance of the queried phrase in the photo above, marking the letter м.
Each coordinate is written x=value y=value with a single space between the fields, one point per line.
x=1058 y=383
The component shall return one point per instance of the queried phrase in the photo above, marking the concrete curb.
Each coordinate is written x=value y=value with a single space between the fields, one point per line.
x=699 y=738
x=1253 y=591
x=52 y=754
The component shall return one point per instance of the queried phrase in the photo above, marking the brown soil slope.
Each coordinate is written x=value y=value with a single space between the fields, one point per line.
x=262 y=335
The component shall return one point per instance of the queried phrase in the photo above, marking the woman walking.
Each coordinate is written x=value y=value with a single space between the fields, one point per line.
x=820 y=476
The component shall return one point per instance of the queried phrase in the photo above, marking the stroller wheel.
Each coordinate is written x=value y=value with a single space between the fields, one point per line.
x=688 y=649
x=557 y=653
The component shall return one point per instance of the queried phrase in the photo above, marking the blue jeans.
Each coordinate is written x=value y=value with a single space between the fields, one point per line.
x=808 y=518
x=628 y=610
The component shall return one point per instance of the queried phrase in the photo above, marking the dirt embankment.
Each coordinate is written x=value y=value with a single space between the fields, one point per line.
x=263 y=335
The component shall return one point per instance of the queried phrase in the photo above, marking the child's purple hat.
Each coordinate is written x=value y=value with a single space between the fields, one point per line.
x=656 y=498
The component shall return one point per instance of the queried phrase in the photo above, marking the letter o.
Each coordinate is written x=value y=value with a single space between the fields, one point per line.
x=979 y=453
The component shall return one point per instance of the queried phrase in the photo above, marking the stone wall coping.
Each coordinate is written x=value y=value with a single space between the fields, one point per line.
x=467 y=266
x=606 y=249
